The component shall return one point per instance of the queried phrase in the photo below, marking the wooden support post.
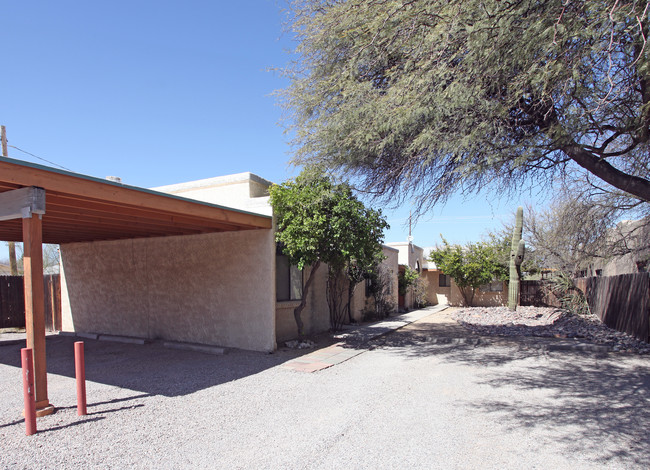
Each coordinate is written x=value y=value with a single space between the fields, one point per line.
x=35 y=307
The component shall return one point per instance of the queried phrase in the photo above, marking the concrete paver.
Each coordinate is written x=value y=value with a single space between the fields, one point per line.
x=354 y=341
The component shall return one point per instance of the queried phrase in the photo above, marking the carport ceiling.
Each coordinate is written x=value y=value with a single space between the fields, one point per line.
x=82 y=208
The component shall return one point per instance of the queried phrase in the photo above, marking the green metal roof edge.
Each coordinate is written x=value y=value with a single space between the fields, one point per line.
x=122 y=185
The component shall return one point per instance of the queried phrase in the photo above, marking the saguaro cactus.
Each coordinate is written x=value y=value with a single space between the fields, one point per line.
x=517 y=250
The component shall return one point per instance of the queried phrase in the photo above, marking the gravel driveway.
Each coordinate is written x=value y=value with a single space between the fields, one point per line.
x=405 y=403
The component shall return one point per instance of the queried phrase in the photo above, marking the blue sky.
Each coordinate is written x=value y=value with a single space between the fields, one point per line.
x=164 y=92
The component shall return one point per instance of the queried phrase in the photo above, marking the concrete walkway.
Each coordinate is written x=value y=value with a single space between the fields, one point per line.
x=355 y=341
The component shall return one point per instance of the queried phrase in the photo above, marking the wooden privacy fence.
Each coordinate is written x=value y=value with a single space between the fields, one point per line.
x=12 y=302
x=621 y=302
x=537 y=293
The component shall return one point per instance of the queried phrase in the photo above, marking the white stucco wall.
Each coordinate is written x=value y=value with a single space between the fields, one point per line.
x=245 y=191
x=216 y=289
x=412 y=256
x=409 y=254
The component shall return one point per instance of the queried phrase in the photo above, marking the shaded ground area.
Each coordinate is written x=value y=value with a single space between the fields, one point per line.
x=150 y=369
x=429 y=395
x=590 y=400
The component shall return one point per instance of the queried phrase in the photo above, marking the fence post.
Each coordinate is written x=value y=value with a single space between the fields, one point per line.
x=27 y=359
x=80 y=373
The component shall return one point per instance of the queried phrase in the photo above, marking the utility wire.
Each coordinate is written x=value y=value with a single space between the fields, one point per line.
x=36 y=156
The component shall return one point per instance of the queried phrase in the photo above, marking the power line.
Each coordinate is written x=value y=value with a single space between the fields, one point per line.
x=36 y=156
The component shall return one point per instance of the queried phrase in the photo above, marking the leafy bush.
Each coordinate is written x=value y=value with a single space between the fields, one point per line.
x=406 y=279
x=471 y=265
x=379 y=287
x=420 y=292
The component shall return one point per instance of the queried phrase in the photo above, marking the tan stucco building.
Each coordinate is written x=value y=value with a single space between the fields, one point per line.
x=227 y=289
x=442 y=289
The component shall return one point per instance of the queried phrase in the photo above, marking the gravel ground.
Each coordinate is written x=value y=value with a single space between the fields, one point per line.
x=546 y=322
x=399 y=405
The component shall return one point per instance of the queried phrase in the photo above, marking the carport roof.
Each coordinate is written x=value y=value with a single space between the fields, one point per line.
x=81 y=208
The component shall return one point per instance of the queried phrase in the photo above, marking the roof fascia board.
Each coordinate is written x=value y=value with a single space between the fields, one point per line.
x=30 y=174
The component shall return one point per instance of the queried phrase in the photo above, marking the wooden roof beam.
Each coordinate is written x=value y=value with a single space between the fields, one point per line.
x=22 y=203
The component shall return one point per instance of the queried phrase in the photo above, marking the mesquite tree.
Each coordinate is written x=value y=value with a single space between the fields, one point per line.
x=420 y=99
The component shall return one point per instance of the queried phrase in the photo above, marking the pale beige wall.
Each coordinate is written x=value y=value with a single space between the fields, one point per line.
x=315 y=315
x=453 y=296
x=216 y=289
x=481 y=299
x=436 y=294
x=412 y=256
x=244 y=191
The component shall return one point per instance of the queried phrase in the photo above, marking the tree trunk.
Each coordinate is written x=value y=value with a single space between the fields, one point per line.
x=12 y=259
x=351 y=287
x=298 y=310
x=335 y=295
x=631 y=184
x=594 y=163
x=469 y=300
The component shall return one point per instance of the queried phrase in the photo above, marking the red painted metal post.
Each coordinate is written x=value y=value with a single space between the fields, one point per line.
x=80 y=373
x=27 y=358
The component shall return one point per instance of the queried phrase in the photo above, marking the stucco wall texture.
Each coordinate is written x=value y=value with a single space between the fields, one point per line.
x=215 y=289
x=453 y=296
x=315 y=315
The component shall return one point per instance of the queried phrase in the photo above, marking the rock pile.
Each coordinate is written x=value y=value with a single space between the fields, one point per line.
x=300 y=344
x=546 y=322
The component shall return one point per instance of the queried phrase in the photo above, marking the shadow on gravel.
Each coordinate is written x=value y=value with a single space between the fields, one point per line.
x=608 y=401
x=76 y=423
x=94 y=405
x=150 y=368
x=13 y=423
x=593 y=403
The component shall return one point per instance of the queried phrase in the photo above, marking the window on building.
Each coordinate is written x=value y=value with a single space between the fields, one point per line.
x=288 y=279
x=444 y=280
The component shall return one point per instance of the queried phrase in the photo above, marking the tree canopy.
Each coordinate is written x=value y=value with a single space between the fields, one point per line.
x=423 y=98
x=318 y=221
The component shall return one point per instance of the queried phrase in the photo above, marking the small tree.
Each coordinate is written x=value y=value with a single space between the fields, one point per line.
x=420 y=288
x=471 y=266
x=50 y=258
x=380 y=281
x=322 y=222
x=576 y=231
x=406 y=279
